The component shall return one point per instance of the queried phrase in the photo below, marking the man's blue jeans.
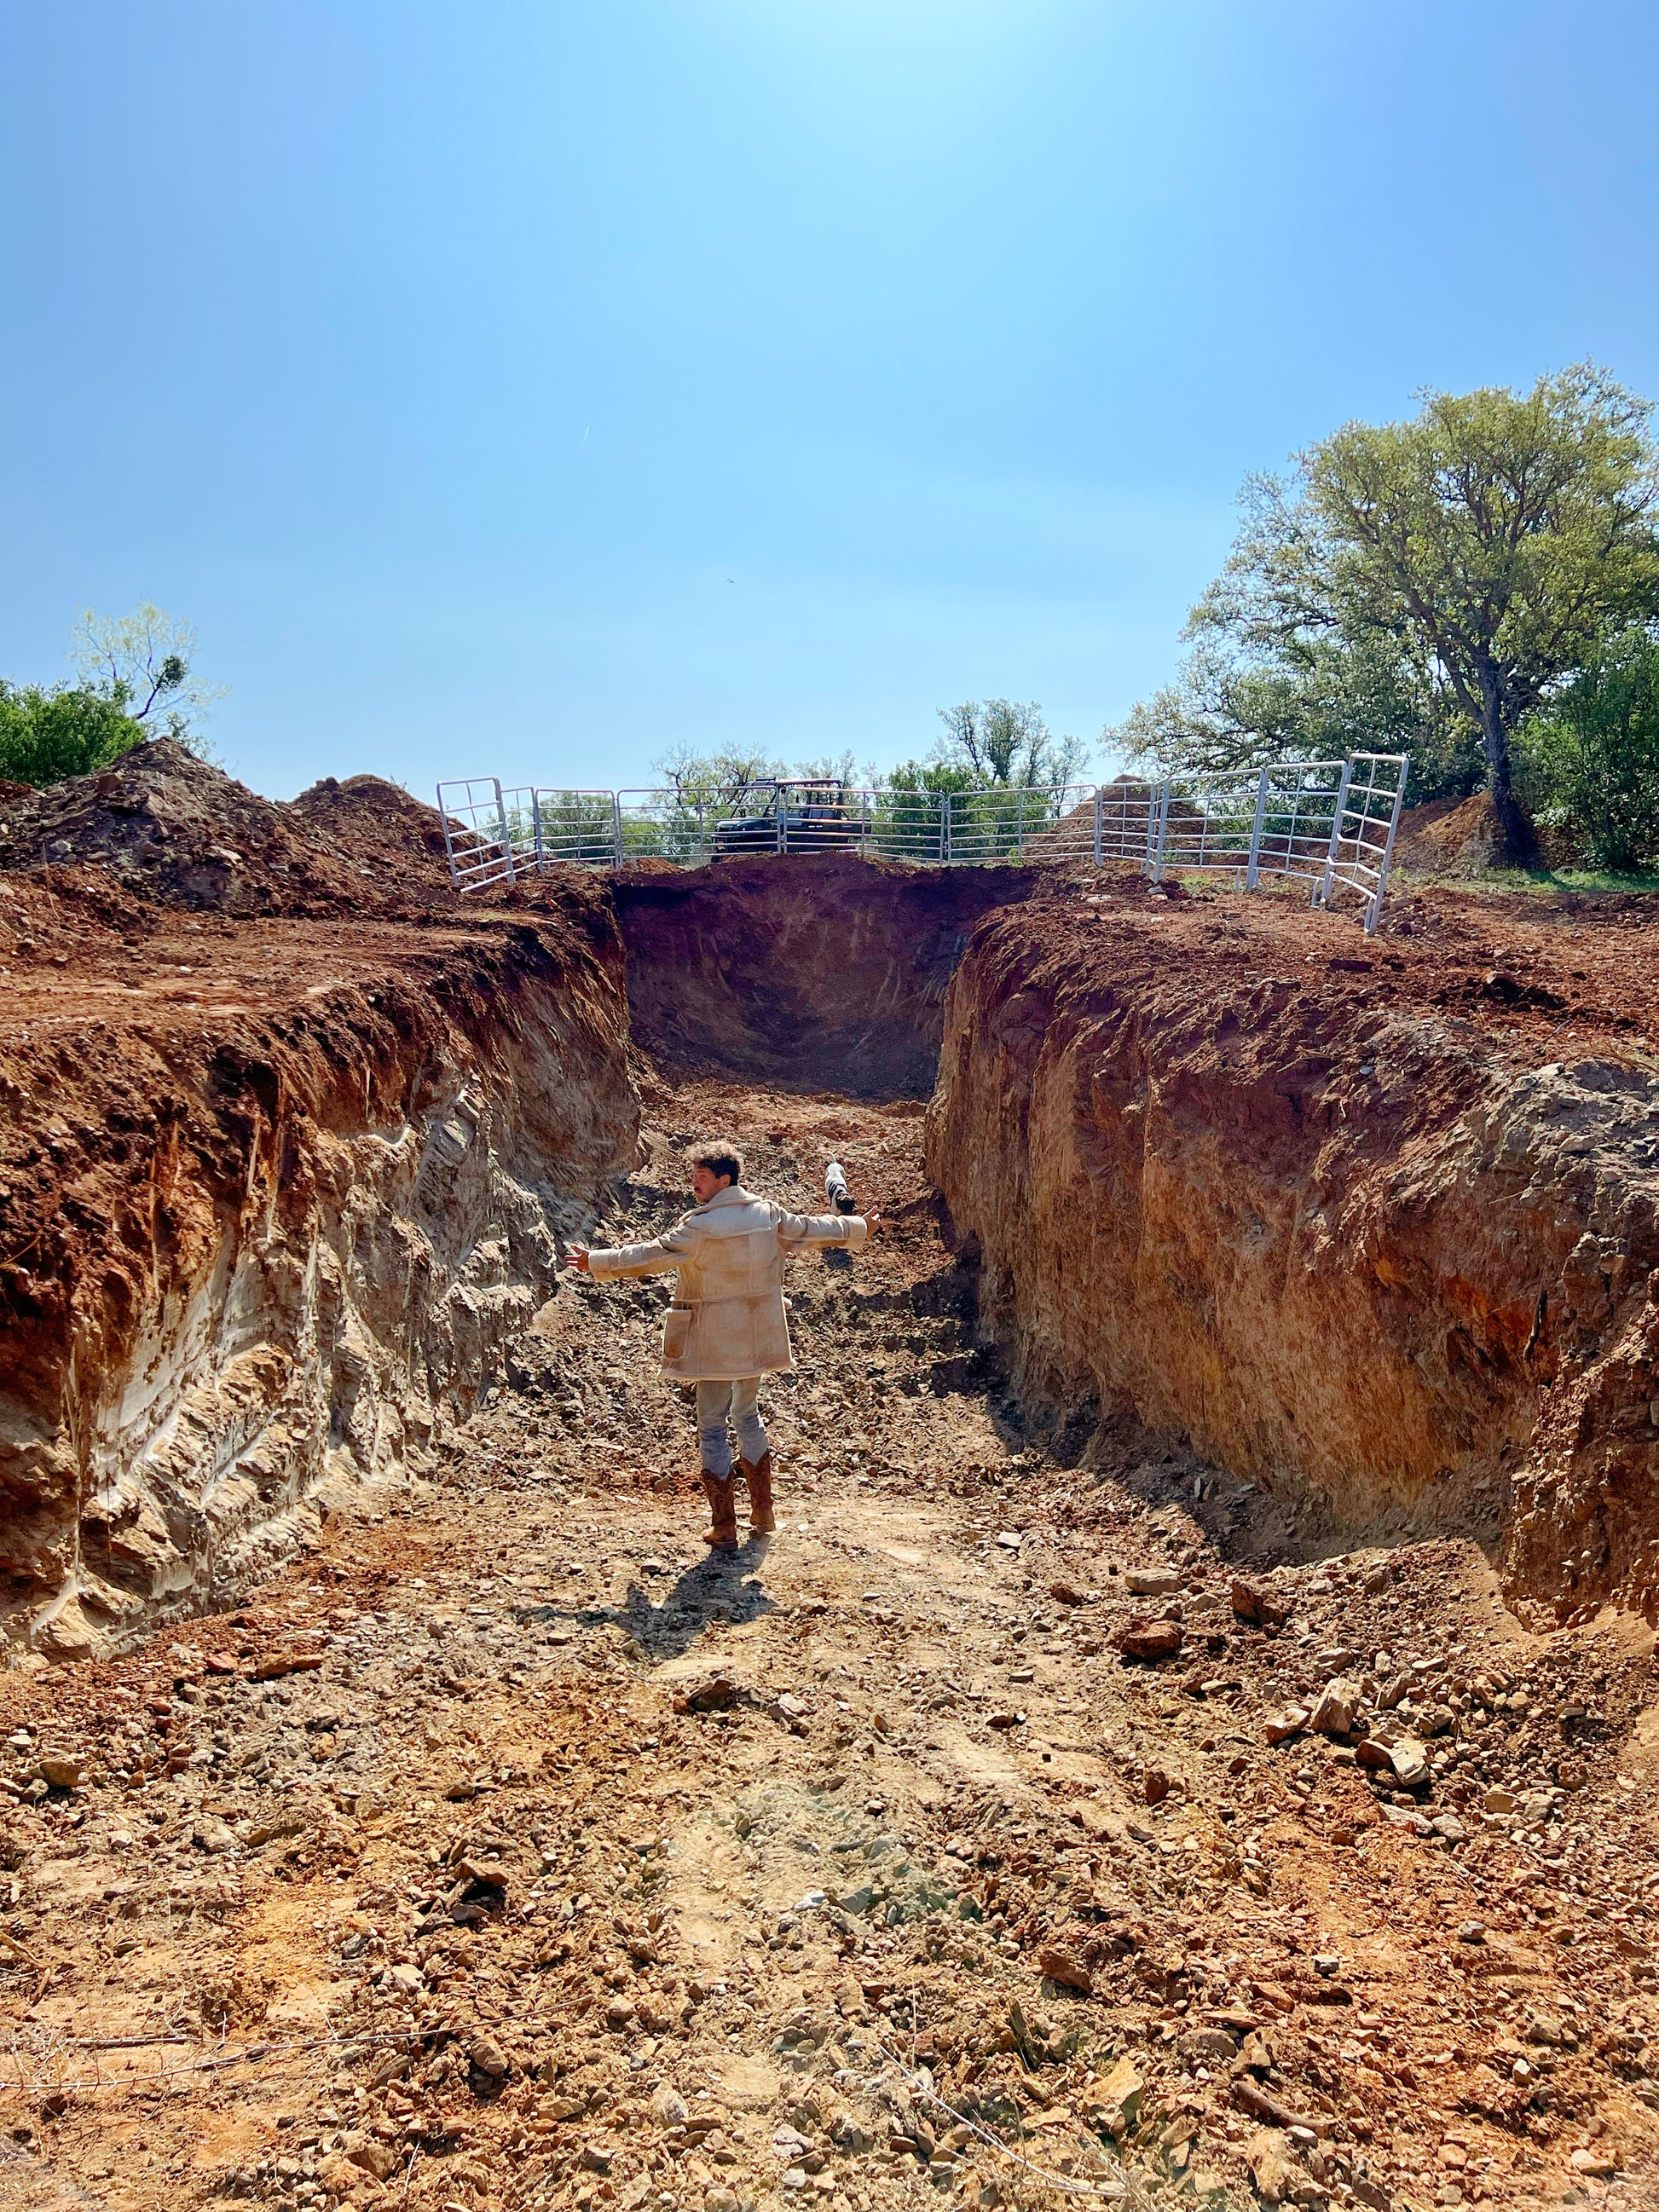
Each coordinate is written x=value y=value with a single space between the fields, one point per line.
x=738 y=1400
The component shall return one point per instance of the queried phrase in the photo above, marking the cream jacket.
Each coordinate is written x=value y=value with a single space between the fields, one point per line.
x=728 y=1318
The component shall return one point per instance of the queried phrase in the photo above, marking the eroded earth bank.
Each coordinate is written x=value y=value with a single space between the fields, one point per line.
x=1191 y=1736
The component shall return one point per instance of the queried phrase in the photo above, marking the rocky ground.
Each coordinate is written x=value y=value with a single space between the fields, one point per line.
x=506 y=1850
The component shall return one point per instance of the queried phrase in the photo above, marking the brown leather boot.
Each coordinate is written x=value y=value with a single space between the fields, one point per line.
x=759 y=1476
x=723 y=1536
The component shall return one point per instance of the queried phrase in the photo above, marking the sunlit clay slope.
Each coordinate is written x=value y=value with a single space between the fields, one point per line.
x=1256 y=1179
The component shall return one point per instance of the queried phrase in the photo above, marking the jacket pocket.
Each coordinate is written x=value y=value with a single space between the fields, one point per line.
x=675 y=1333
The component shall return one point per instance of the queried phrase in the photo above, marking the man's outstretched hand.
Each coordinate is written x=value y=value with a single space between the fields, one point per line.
x=579 y=1257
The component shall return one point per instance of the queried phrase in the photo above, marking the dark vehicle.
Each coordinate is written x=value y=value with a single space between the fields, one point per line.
x=794 y=814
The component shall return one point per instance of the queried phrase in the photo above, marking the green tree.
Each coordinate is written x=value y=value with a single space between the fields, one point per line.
x=697 y=781
x=144 y=663
x=1002 y=744
x=1302 y=698
x=1432 y=580
x=47 y=735
x=1590 y=759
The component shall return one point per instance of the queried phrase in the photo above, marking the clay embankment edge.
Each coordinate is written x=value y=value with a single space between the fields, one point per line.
x=262 y=1258
x=1343 y=1245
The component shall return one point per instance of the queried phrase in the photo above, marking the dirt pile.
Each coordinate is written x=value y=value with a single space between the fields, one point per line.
x=379 y=826
x=821 y=970
x=174 y=828
x=1451 y=837
x=1396 y=1262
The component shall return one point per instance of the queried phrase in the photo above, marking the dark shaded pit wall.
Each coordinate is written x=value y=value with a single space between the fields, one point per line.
x=1340 y=1247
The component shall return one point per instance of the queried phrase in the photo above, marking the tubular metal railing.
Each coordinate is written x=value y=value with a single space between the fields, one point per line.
x=1330 y=824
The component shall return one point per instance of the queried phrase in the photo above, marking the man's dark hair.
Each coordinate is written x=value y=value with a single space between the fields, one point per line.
x=721 y=1157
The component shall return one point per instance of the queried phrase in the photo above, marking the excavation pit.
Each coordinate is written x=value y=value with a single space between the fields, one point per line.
x=1302 y=1283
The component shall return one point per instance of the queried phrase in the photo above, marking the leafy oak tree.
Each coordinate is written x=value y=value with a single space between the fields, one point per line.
x=1429 y=583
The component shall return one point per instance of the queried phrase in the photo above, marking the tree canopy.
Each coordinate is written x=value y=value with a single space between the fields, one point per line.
x=47 y=735
x=999 y=744
x=137 y=681
x=1423 y=585
x=144 y=663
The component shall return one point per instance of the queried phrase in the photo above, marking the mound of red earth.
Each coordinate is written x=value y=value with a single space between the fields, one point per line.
x=177 y=830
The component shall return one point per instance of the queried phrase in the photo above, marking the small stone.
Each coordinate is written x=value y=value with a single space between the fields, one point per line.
x=1410 y=1762
x=1277 y=2176
x=1255 y=1602
x=1280 y=1727
x=1152 y=1581
x=62 y=1770
x=1591 y=2162
x=1472 y=1931
x=409 y=1982
x=1065 y=1967
x=1154 y=1785
x=668 y=2108
x=1153 y=1640
x=213 y=1835
x=1204 y=2043
x=1398 y=1817
x=1499 y=1800
x=487 y=2055
x=1118 y=2097
x=710 y=1696
x=1334 y=1708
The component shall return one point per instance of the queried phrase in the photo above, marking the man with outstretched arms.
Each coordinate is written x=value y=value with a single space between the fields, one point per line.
x=728 y=1325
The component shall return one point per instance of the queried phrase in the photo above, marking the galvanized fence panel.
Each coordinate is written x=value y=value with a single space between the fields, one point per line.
x=1367 y=821
x=1126 y=818
x=1330 y=824
x=477 y=842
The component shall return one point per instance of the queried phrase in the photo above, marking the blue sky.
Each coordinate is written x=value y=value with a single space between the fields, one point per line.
x=523 y=385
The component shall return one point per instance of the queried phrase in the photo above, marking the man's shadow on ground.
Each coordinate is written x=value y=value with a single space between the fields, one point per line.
x=723 y=1589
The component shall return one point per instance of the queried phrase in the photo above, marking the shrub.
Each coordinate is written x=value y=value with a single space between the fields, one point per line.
x=1590 y=760
x=45 y=736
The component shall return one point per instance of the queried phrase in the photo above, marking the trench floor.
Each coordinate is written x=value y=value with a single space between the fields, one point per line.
x=508 y=1851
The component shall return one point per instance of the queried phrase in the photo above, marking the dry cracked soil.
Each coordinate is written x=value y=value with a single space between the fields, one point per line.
x=505 y=1850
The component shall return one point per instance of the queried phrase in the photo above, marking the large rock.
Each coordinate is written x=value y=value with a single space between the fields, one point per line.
x=1335 y=1707
x=1150 y=1639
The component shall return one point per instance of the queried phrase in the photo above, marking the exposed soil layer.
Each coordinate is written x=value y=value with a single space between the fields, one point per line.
x=1372 y=1224
x=270 y=1206
x=800 y=970
x=507 y=1853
